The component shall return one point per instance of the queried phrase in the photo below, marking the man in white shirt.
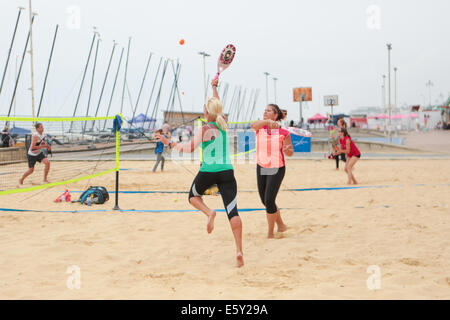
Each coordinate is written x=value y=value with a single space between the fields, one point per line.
x=37 y=152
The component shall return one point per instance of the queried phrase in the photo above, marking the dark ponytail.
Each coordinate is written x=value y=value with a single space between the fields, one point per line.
x=344 y=130
x=280 y=114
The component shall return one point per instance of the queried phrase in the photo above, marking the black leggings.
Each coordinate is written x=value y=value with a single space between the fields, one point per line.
x=337 y=159
x=227 y=187
x=269 y=182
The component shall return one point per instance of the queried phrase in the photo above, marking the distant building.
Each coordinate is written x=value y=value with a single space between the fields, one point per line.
x=182 y=118
x=366 y=110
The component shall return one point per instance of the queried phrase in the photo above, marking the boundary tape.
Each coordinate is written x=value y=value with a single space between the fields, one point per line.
x=53 y=184
x=133 y=210
x=31 y=119
x=304 y=189
x=194 y=210
x=50 y=211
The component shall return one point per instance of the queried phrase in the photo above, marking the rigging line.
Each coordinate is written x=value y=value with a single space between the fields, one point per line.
x=70 y=92
x=84 y=77
x=48 y=69
x=113 y=88
x=142 y=85
x=129 y=96
x=10 y=49
x=153 y=89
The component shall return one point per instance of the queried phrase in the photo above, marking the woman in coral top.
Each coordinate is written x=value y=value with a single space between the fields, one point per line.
x=348 y=147
x=272 y=143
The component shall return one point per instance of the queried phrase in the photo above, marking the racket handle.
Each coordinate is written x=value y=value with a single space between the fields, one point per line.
x=217 y=76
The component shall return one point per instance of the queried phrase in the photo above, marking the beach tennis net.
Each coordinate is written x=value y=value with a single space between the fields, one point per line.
x=80 y=149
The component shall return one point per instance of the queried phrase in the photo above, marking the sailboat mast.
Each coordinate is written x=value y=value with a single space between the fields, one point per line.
x=18 y=75
x=48 y=68
x=31 y=60
x=10 y=49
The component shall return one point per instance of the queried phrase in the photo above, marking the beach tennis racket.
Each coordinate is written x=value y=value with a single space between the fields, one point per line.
x=225 y=59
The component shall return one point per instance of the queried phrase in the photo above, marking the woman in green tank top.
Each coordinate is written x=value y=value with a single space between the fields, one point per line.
x=216 y=169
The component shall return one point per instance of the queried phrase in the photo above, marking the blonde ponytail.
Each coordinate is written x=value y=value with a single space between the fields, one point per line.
x=214 y=107
x=221 y=122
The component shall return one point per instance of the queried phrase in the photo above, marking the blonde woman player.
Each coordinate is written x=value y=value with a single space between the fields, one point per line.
x=216 y=169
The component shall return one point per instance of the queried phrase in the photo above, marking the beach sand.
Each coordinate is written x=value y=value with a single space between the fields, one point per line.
x=334 y=236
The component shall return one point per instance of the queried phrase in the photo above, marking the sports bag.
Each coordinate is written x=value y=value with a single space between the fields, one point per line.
x=99 y=195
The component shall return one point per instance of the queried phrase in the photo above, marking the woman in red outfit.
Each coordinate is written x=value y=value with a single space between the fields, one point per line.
x=348 y=147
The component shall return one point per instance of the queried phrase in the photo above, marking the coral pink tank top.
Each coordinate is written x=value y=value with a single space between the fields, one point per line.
x=269 y=147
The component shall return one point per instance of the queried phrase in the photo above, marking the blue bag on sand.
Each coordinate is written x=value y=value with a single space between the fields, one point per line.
x=97 y=195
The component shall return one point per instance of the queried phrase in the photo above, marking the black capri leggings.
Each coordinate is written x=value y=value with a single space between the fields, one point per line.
x=269 y=182
x=227 y=187
x=342 y=155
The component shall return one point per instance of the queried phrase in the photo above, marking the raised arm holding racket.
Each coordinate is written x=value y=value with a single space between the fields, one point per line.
x=225 y=59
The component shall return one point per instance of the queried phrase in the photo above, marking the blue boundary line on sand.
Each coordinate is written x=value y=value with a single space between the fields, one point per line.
x=303 y=189
x=51 y=211
x=299 y=190
x=133 y=210
x=337 y=188
x=195 y=210
x=137 y=192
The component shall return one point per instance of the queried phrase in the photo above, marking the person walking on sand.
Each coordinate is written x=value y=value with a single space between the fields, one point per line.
x=216 y=169
x=272 y=143
x=159 y=150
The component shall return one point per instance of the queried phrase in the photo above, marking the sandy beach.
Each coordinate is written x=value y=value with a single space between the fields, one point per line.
x=399 y=223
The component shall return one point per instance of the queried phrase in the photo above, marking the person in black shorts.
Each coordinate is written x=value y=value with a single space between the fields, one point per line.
x=6 y=140
x=37 y=152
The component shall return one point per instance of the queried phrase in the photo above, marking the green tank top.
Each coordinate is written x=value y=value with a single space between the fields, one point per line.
x=216 y=155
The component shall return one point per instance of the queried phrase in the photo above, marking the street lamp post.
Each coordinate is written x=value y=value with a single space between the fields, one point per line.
x=395 y=88
x=267 y=87
x=383 y=87
x=389 y=47
x=275 y=89
x=429 y=84
x=383 y=93
x=204 y=54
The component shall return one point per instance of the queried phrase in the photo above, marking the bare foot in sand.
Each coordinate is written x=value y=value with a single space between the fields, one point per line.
x=240 y=259
x=20 y=181
x=270 y=236
x=210 y=225
x=282 y=228
x=46 y=181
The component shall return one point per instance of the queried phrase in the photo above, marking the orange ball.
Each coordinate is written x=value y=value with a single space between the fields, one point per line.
x=182 y=93
x=181 y=41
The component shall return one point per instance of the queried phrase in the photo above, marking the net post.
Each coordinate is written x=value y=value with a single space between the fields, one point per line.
x=116 y=206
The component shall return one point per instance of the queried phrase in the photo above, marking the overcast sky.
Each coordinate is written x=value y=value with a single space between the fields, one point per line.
x=336 y=47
